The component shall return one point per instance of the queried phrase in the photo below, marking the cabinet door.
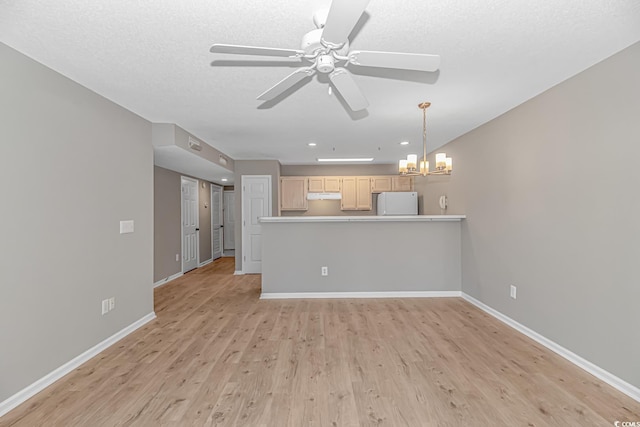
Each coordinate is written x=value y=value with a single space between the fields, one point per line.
x=316 y=184
x=293 y=193
x=349 y=194
x=363 y=196
x=402 y=183
x=332 y=184
x=380 y=184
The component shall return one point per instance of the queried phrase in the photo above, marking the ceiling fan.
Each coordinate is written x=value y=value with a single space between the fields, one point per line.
x=326 y=50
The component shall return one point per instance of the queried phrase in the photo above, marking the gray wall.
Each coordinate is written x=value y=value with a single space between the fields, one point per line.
x=550 y=190
x=166 y=224
x=361 y=256
x=253 y=167
x=167 y=230
x=72 y=165
x=204 y=212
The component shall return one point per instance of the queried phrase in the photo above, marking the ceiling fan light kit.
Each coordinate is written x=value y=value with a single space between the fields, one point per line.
x=409 y=166
x=326 y=49
x=325 y=64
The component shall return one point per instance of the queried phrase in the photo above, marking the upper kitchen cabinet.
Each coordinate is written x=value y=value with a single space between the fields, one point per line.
x=332 y=184
x=293 y=193
x=324 y=184
x=380 y=184
x=316 y=184
x=356 y=193
x=401 y=183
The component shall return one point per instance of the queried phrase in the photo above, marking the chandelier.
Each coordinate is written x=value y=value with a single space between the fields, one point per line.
x=409 y=166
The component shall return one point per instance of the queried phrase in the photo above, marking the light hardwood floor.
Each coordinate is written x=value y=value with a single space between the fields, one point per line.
x=217 y=355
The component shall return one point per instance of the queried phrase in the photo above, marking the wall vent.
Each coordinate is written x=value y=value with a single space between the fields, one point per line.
x=194 y=144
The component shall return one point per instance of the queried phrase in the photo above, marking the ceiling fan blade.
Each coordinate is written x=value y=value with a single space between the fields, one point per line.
x=253 y=50
x=286 y=83
x=343 y=16
x=348 y=89
x=401 y=61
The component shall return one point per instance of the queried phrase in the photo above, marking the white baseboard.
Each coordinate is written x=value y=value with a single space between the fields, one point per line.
x=53 y=376
x=203 y=263
x=238 y=273
x=167 y=279
x=615 y=382
x=394 y=294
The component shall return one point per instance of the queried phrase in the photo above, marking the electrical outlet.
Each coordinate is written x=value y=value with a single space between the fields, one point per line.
x=105 y=306
x=112 y=303
x=324 y=271
x=512 y=292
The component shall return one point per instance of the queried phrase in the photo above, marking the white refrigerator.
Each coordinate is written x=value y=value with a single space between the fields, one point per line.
x=398 y=203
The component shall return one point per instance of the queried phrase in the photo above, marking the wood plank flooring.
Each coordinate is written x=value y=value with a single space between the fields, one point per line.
x=217 y=355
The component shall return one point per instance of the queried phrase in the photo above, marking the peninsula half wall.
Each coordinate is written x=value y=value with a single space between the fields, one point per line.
x=377 y=256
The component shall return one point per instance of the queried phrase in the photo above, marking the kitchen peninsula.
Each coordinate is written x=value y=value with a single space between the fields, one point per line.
x=361 y=256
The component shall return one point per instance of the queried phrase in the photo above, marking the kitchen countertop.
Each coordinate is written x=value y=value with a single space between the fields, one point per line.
x=364 y=218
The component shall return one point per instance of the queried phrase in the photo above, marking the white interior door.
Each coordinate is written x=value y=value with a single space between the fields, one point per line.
x=229 y=209
x=189 y=224
x=256 y=203
x=216 y=221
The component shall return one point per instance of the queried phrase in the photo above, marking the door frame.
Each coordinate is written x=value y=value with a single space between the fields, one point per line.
x=187 y=178
x=221 y=190
x=225 y=207
x=243 y=225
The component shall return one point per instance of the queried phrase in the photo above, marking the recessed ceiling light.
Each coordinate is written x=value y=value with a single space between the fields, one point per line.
x=224 y=180
x=312 y=144
x=360 y=159
x=404 y=143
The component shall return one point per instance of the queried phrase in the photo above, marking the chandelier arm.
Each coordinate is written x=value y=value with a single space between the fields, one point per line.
x=424 y=140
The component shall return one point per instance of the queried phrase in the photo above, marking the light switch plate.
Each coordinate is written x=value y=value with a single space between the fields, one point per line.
x=126 y=226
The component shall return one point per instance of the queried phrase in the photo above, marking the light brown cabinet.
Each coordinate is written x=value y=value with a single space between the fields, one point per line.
x=324 y=184
x=293 y=193
x=363 y=202
x=380 y=184
x=356 y=193
x=332 y=184
x=349 y=194
x=316 y=184
x=401 y=183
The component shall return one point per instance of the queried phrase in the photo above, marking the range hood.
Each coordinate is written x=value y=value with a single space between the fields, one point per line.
x=324 y=196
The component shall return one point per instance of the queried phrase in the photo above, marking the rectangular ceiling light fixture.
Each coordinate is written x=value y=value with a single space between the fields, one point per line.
x=360 y=159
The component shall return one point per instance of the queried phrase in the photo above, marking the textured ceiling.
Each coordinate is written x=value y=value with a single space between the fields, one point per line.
x=152 y=57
